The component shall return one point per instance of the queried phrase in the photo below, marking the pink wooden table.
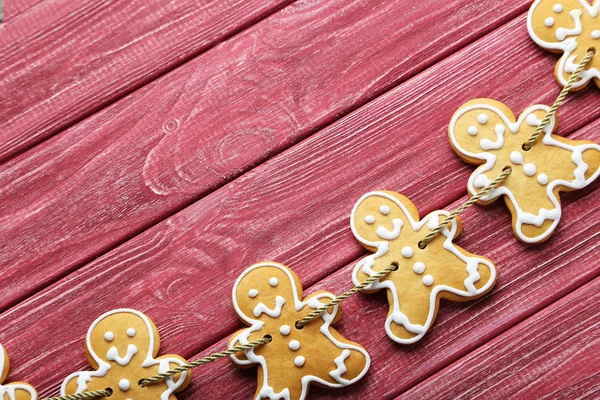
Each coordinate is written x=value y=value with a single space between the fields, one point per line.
x=150 y=147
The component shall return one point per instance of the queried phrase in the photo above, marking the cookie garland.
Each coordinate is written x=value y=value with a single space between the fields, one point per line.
x=414 y=259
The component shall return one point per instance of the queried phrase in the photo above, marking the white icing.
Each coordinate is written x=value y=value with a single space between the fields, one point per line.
x=482 y=181
x=549 y=22
x=369 y=219
x=499 y=129
x=419 y=267
x=341 y=366
x=487 y=144
x=299 y=361
x=529 y=169
x=131 y=332
x=11 y=390
x=596 y=34
x=385 y=210
x=164 y=363
x=566 y=44
x=431 y=221
x=516 y=157
x=266 y=391
x=109 y=336
x=472 y=130
x=533 y=120
x=273 y=281
x=407 y=252
x=253 y=293
x=274 y=312
x=294 y=345
x=482 y=119
x=285 y=330
x=558 y=8
x=124 y=385
x=428 y=280
x=542 y=179
x=383 y=233
x=522 y=217
x=113 y=355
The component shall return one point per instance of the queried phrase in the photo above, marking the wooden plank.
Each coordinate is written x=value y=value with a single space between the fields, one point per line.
x=294 y=209
x=15 y=7
x=553 y=354
x=176 y=140
x=63 y=60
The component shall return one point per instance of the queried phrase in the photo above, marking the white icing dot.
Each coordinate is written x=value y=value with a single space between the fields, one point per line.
x=558 y=8
x=124 y=385
x=419 y=267
x=109 y=336
x=253 y=293
x=516 y=157
x=529 y=169
x=596 y=34
x=294 y=345
x=549 y=22
x=532 y=120
x=542 y=179
x=385 y=210
x=428 y=280
x=407 y=252
x=299 y=361
x=472 y=130
x=369 y=219
x=285 y=330
x=499 y=129
x=482 y=119
x=131 y=332
x=273 y=281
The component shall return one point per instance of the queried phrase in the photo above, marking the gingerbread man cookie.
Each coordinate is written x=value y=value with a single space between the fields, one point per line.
x=485 y=132
x=121 y=346
x=15 y=390
x=388 y=224
x=268 y=298
x=571 y=27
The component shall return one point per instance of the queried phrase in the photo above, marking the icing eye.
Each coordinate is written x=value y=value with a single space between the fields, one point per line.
x=109 y=336
x=558 y=8
x=532 y=120
x=482 y=119
x=131 y=332
x=596 y=34
x=385 y=210
x=273 y=281
x=253 y=293
x=472 y=130
x=369 y=219
x=549 y=22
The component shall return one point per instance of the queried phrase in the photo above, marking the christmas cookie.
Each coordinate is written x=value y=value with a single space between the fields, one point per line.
x=485 y=132
x=570 y=27
x=268 y=298
x=388 y=224
x=122 y=346
x=15 y=390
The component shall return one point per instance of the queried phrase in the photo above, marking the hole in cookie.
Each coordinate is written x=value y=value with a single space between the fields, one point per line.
x=298 y=325
x=269 y=338
x=395 y=266
x=422 y=245
x=507 y=168
x=592 y=50
x=110 y=392
x=141 y=382
x=525 y=147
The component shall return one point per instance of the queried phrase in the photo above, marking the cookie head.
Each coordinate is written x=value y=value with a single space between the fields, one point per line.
x=121 y=338
x=553 y=21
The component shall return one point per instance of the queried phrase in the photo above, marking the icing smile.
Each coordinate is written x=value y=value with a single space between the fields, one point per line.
x=113 y=355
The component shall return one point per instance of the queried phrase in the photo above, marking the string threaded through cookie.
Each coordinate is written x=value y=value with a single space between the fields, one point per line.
x=452 y=216
x=205 y=360
x=84 y=395
x=557 y=103
x=338 y=299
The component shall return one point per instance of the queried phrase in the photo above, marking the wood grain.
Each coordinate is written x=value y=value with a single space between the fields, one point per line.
x=135 y=163
x=553 y=354
x=180 y=271
x=63 y=60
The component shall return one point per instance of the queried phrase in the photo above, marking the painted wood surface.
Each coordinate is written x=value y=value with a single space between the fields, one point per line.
x=136 y=201
x=62 y=60
x=178 y=139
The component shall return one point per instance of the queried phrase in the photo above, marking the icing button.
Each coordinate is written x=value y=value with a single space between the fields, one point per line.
x=419 y=267
x=428 y=280
x=299 y=361
x=124 y=385
x=407 y=252
x=273 y=281
x=285 y=330
x=294 y=345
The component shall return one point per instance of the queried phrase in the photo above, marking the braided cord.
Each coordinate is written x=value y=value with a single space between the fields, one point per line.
x=84 y=395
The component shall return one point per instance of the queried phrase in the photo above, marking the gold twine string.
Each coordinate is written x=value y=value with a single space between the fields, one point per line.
x=84 y=395
x=259 y=342
x=561 y=97
x=302 y=322
x=505 y=172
